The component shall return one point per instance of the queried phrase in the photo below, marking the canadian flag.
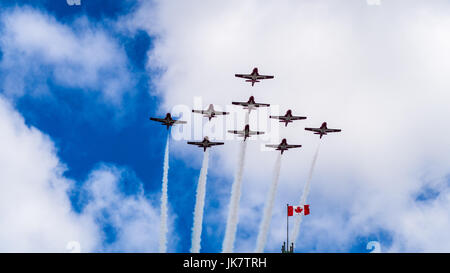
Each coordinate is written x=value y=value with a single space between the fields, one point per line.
x=298 y=210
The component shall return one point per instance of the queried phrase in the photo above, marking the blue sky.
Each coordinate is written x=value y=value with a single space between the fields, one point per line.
x=94 y=106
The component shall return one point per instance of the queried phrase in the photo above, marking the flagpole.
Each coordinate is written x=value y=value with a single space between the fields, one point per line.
x=287 y=226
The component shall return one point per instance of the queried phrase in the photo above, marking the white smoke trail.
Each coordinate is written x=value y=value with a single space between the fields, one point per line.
x=305 y=193
x=265 y=223
x=232 y=220
x=233 y=211
x=163 y=222
x=199 y=205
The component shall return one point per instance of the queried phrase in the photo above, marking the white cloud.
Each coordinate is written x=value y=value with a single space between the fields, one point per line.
x=36 y=214
x=36 y=47
x=135 y=220
x=377 y=73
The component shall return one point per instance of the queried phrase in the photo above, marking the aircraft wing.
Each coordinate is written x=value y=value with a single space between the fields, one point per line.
x=297 y=118
x=180 y=122
x=158 y=119
x=333 y=130
x=198 y=111
x=263 y=77
x=313 y=129
x=289 y=146
x=255 y=133
x=236 y=132
x=278 y=117
x=245 y=76
x=261 y=104
x=240 y=103
x=215 y=143
x=198 y=143
x=220 y=113
x=272 y=145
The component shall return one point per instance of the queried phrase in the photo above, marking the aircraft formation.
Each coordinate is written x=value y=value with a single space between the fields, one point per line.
x=249 y=105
